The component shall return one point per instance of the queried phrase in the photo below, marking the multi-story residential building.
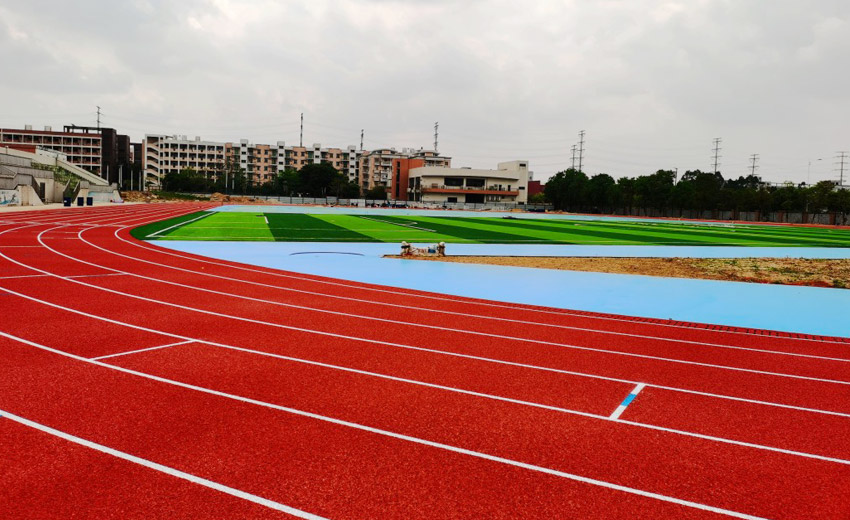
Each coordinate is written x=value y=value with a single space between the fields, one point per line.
x=507 y=183
x=345 y=161
x=376 y=168
x=81 y=147
x=163 y=154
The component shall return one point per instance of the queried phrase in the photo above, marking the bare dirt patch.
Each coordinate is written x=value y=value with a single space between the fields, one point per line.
x=785 y=271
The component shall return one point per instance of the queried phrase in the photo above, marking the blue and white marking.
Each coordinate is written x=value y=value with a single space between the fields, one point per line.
x=626 y=402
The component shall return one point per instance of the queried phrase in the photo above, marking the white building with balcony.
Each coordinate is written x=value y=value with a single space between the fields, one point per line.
x=508 y=183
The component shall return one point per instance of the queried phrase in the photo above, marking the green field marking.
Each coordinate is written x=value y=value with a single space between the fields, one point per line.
x=458 y=232
x=580 y=233
x=303 y=228
x=391 y=228
x=225 y=226
x=143 y=232
x=726 y=234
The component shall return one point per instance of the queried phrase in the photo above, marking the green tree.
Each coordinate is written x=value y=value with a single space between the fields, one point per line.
x=316 y=180
x=566 y=190
x=376 y=193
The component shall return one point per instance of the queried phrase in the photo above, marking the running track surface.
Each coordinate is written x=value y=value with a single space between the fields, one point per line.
x=138 y=382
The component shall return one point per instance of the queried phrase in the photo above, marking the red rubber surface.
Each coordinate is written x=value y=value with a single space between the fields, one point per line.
x=440 y=370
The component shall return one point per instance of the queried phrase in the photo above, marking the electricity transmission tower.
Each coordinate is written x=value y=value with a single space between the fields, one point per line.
x=580 y=149
x=717 y=156
x=754 y=159
x=842 y=161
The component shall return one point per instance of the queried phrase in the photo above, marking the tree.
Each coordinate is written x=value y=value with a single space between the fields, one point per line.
x=566 y=190
x=376 y=193
x=316 y=180
x=601 y=192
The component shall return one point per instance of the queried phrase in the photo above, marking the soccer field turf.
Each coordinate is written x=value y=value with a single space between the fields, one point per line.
x=521 y=230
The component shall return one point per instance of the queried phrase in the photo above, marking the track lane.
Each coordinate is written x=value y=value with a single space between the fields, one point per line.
x=128 y=358
x=327 y=468
x=41 y=478
x=582 y=397
x=345 y=314
x=804 y=395
x=516 y=313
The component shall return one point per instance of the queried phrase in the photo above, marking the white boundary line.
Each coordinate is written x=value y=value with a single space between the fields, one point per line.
x=408 y=438
x=469 y=392
x=448 y=353
x=651 y=322
x=141 y=350
x=385 y=320
x=178 y=225
x=161 y=468
x=451 y=313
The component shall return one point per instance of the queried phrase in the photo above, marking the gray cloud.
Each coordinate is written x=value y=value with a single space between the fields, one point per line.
x=651 y=81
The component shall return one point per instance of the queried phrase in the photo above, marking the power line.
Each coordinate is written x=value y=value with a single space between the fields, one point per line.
x=436 y=134
x=573 y=163
x=754 y=159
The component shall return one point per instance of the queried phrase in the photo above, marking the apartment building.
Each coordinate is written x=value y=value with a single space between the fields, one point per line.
x=376 y=168
x=163 y=154
x=346 y=161
x=507 y=183
x=83 y=148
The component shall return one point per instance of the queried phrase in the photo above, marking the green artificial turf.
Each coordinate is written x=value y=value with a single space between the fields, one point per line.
x=520 y=230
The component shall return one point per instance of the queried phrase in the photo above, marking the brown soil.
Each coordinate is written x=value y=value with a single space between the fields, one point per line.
x=785 y=271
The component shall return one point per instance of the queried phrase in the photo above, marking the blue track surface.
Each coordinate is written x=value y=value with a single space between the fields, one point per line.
x=808 y=310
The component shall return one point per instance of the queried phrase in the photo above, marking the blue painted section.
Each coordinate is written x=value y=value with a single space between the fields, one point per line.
x=628 y=400
x=808 y=310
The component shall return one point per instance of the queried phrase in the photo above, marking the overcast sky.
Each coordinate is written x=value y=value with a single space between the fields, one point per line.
x=651 y=82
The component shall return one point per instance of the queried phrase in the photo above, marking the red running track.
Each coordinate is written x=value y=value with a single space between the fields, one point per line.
x=141 y=382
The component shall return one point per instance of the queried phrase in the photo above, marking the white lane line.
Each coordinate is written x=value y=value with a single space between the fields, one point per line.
x=452 y=313
x=423 y=349
x=477 y=394
x=141 y=350
x=23 y=276
x=178 y=225
x=161 y=468
x=95 y=275
x=399 y=224
x=448 y=298
x=408 y=438
x=626 y=402
x=385 y=320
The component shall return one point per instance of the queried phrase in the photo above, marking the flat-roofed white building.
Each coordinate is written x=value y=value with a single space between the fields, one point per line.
x=508 y=183
x=163 y=154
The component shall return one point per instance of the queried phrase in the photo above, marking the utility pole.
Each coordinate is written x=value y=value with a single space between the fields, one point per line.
x=717 y=155
x=842 y=159
x=301 y=139
x=98 y=117
x=580 y=149
x=754 y=159
x=361 y=139
x=573 y=160
x=436 y=135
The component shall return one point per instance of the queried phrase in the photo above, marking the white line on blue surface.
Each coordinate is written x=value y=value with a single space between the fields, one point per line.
x=627 y=401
